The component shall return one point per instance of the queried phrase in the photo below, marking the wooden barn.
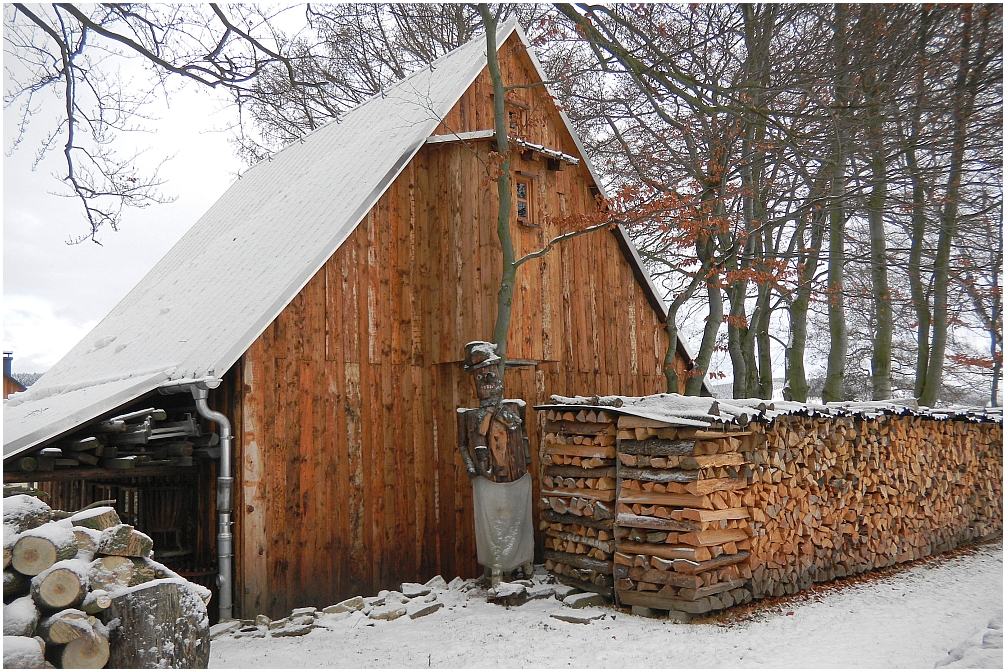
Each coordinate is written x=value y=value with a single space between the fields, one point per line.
x=325 y=299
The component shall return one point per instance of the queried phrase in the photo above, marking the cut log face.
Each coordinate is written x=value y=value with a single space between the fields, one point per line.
x=38 y=549
x=98 y=518
x=96 y=601
x=62 y=585
x=161 y=624
x=90 y=652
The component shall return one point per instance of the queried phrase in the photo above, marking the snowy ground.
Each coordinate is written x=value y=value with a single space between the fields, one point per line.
x=943 y=612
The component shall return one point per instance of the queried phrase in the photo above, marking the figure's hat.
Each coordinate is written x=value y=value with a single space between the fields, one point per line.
x=479 y=354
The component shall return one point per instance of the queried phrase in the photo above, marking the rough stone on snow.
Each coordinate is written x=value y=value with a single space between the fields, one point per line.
x=580 y=616
x=388 y=613
x=250 y=631
x=510 y=594
x=581 y=600
x=457 y=583
x=224 y=628
x=394 y=596
x=352 y=604
x=562 y=591
x=411 y=590
x=419 y=609
x=437 y=583
x=540 y=592
x=303 y=611
x=293 y=629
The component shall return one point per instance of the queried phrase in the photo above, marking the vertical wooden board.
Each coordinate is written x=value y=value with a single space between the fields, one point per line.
x=337 y=476
x=423 y=284
x=446 y=401
x=386 y=273
x=306 y=456
x=373 y=472
x=293 y=520
x=580 y=296
x=334 y=347
x=254 y=483
x=359 y=562
x=401 y=443
x=613 y=298
x=348 y=259
x=278 y=552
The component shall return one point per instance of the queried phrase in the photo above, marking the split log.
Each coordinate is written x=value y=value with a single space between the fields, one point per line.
x=124 y=540
x=63 y=585
x=23 y=653
x=98 y=518
x=160 y=624
x=20 y=618
x=25 y=512
x=65 y=626
x=39 y=548
x=87 y=542
x=15 y=584
x=114 y=572
x=658 y=447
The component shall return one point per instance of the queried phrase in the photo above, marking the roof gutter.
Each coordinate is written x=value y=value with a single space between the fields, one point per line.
x=200 y=388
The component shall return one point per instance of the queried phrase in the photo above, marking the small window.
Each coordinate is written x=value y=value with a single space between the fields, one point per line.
x=523 y=200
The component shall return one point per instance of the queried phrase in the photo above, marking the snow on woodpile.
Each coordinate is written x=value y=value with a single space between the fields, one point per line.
x=787 y=494
x=81 y=591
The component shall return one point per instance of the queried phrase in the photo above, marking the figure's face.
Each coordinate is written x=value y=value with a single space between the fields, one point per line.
x=488 y=384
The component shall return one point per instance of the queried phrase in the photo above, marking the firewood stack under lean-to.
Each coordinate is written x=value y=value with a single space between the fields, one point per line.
x=577 y=497
x=81 y=591
x=142 y=438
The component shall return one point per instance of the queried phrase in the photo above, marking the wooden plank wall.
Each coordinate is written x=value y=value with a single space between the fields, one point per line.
x=349 y=475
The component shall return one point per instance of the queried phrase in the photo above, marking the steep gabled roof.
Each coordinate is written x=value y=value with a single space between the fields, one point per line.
x=204 y=304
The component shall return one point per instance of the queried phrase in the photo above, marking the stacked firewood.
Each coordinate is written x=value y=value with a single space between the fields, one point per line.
x=143 y=437
x=836 y=496
x=681 y=528
x=577 y=497
x=67 y=578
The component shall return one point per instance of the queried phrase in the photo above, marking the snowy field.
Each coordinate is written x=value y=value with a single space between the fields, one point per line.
x=942 y=612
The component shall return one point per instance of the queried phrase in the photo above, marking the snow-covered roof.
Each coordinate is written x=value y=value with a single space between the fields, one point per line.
x=678 y=409
x=204 y=304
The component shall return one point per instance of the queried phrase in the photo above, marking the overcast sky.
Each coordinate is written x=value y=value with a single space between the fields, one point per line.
x=54 y=293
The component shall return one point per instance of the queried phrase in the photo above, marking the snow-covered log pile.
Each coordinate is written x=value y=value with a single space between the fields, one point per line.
x=577 y=497
x=819 y=492
x=81 y=591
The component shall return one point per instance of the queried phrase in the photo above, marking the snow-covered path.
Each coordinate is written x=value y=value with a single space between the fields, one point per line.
x=911 y=618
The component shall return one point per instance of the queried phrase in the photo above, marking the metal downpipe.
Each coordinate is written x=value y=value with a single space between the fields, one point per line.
x=199 y=389
x=225 y=499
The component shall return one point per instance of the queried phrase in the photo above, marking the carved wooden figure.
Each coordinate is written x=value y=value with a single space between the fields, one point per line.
x=494 y=446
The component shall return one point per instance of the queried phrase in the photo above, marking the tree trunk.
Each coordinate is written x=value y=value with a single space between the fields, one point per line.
x=876 y=204
x=705 y=250
x=504 y=298
x=796 y=376
x=161 y=624
x=969 y=69
x=835 y=377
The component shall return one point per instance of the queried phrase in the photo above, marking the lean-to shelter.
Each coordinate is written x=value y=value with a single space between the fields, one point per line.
x=325 y=299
